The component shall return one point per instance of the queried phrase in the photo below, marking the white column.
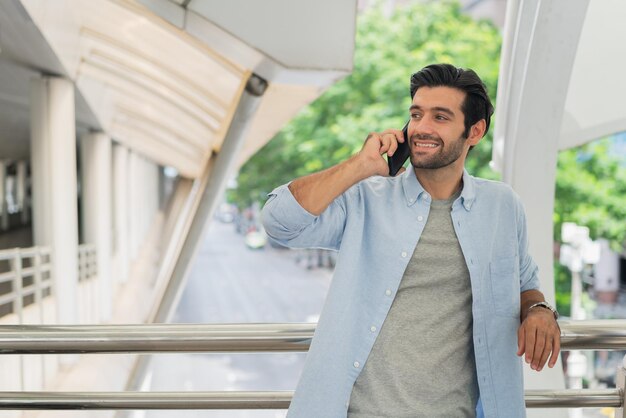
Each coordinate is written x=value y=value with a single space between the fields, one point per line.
x=54 y=195
x=135 y=197
x=4 y=213
x=96 y=204
x=121 y=212
x=21 y=191
x=539 y=49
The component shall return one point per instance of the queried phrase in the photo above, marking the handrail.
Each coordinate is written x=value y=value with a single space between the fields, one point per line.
x=253 y=400
x=574 y=398
x=145 y=400
x=599 y=334
x=152 y=338
x=237 y=338
x=165 y=338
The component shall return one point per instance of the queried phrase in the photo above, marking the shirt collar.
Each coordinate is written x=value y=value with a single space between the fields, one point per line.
x=411 y=185
x=469 y=191
x=413 y=189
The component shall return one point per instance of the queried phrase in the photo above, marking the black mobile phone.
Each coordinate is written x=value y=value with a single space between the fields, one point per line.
x=397 y=160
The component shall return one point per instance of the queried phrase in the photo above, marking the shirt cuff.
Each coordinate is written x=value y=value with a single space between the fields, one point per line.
x=287 y=208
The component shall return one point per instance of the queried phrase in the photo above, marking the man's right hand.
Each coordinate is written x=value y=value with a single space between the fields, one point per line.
x=376 y=145
x=316 y=191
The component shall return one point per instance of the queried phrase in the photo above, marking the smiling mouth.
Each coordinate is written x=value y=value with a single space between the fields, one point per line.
x=425 y=145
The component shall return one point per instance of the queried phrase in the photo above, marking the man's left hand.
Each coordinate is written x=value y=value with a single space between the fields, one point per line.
x=538 y=337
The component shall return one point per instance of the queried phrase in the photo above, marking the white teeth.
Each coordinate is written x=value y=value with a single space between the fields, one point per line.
x=426 y=145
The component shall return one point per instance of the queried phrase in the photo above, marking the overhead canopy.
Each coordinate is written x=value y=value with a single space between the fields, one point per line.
x=164 y=77
x=597 y=90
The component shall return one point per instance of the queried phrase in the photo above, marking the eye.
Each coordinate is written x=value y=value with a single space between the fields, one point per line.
x=415 y=116
x=441 y=117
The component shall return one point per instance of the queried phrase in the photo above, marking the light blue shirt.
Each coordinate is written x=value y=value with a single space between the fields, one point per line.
x=375 y=225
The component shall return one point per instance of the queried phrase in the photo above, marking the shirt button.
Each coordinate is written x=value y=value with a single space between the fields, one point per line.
x=404 y=254
x=373 y=329
x=420 y=218
x=388 y=292
x=411 y=200
x=356 y=364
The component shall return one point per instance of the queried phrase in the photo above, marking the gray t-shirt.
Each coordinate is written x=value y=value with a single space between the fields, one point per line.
x=422 y=363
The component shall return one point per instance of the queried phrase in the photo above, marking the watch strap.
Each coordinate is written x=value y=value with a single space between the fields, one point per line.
x=545 y=305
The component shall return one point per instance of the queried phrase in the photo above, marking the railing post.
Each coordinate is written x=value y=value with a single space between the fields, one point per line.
x=38 y=284
x=620 y=383
x=18 y=302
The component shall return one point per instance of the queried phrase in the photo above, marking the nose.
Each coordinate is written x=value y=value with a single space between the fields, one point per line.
x=423 y=126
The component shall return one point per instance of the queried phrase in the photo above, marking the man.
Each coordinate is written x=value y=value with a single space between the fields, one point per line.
x=434 y=294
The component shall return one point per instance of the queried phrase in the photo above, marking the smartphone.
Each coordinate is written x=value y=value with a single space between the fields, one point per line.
x=397 y=160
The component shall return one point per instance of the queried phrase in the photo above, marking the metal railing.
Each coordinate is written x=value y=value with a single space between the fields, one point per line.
x=242 y=338
x=26 y=279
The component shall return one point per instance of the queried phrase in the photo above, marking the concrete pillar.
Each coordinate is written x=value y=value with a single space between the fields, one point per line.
x=21 y=189
x=96 y=202
x=121 y=212
x=54 y=194
x=4 y=212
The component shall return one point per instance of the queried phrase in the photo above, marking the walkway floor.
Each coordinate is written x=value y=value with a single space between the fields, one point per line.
x=231 y=283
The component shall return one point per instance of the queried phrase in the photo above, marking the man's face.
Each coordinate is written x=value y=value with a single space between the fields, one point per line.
x=436 y=128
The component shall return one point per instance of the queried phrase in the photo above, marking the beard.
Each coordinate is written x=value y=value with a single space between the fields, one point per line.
x=446 y=153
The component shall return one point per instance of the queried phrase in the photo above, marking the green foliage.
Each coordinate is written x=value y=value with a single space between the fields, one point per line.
x=563 y=289
x=375 y=96
x=591 y=191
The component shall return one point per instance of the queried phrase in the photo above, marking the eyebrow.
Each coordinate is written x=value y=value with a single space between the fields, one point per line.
x=436 y=109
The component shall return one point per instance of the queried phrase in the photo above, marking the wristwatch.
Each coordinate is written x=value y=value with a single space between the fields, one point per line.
x=545 y=305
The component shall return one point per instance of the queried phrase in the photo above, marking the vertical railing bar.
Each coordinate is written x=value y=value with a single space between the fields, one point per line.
x=17 y=304
x=39 y=302
x=17 y=285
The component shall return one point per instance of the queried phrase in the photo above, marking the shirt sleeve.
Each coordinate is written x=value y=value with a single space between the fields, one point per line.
x=529 y=272
x=289 y=224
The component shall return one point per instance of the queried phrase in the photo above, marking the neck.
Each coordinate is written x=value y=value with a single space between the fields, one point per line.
x=440 y=183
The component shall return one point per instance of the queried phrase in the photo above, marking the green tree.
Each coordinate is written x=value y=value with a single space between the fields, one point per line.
x=591 y=191
x=375 y=96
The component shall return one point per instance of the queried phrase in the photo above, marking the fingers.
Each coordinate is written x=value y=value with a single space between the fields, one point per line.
x=556 y=348
x=539 y=340
x=540 y=344
x=387 y=144
x=521 y=339
x=530 y=344
x=546 y=352
x=388 y=140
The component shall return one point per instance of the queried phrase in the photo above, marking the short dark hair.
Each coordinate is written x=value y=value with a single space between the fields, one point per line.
x=476 y=105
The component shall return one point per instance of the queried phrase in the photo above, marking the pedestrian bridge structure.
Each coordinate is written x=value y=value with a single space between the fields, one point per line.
x=143 y=110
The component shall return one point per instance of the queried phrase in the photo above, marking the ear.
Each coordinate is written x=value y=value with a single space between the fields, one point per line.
x=477 y=131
